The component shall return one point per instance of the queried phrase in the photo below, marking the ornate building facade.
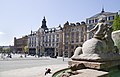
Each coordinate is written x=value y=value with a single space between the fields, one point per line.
x=73 y=36
x=49 y=40
x=32 y=43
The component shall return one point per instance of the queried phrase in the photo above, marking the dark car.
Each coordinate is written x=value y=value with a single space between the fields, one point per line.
x=53 y=56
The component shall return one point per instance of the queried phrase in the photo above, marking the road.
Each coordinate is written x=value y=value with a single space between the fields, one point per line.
x=6 y=65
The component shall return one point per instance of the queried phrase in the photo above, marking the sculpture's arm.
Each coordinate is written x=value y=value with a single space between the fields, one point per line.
x=95 y=28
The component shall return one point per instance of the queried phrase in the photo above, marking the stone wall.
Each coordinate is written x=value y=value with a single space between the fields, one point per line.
x=116 y=38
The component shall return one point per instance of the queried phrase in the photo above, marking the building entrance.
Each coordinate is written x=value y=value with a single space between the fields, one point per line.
x=49 y=51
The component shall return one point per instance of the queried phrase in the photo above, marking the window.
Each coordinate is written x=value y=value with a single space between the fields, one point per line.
x=57 y=40
x=72 y=35
x=49 y=40
x=53 y=45
x=66 y=35
x=53 y=40
x=57 y=35
x=111 y=18
x=106 y=18
x=96 y=20
x=66 y=42
x=53 y=36
x=49 y=36
x=72 y=47
x=46 y=37
x=72 y=41
x=46 y=41
x=89 y=21
x=77 y=40
x=56 y=44
x=66 y=47
x=92 y=21
x=81 y=39
x=66 y=54
x=72 y=29
x=82 y=34
x=77 y=34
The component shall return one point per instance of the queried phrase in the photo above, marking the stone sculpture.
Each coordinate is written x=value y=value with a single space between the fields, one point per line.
x=100 y=47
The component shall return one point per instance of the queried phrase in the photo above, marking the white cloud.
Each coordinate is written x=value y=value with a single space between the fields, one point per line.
x=1 y=33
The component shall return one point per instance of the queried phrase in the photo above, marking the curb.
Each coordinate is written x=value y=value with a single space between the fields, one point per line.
x=16 y=59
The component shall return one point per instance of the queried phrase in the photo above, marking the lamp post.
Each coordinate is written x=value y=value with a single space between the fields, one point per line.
x=63 y=47
x=63 y=55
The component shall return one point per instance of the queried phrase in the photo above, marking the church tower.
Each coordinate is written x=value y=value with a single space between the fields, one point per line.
x=44 y=24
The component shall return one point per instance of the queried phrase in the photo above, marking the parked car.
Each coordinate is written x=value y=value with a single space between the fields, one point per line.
x=53 y=56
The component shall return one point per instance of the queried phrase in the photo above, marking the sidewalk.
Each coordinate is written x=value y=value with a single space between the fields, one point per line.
x=33 y=72
x=17 y=57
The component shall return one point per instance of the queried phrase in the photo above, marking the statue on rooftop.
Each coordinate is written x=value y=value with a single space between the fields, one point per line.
x=67 y=23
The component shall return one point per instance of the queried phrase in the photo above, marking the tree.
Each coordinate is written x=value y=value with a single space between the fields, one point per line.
x=6 y=50
x=43 y=49
x=1 y=49
x=116 y=23
x=37 y=50
x=25 y=49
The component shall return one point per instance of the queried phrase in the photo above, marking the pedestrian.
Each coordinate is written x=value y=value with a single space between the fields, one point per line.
x=47 y=71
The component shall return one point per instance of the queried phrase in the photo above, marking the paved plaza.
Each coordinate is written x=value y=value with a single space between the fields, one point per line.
x=32 y=72
x=30 y=66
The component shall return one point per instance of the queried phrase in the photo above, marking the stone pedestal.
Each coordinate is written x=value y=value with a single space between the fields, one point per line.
x=96 y=65
x=91 y=73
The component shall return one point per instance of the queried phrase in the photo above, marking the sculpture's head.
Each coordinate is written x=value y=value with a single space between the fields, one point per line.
x=101 y=18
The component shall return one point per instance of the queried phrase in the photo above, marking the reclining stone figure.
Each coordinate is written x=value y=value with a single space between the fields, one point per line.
x=100 y=47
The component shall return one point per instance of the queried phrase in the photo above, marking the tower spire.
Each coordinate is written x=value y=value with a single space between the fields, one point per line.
x=102 y=9
x=44 y=17
x=44 y=26
x=31 y=32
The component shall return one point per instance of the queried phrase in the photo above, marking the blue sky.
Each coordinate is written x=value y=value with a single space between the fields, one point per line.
x=19 y=17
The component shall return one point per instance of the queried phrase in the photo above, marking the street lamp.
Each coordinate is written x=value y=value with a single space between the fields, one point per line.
x=63 y=55
x=63 y=44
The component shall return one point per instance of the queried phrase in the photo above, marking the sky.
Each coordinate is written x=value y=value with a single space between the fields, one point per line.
x=19 y=17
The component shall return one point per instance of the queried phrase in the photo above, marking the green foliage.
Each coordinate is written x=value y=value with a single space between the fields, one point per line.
x=6 y=50
x=26 y=49
x=43 y=49
x=36 y=50
x=116 y=23
x=1 y=49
